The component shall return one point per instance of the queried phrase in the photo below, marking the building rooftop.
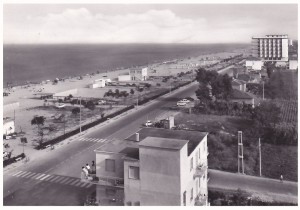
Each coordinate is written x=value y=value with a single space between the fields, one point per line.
x=165 y=143
x=193 y=137
x=244 y=77
x=237 y=94
x=237 y=82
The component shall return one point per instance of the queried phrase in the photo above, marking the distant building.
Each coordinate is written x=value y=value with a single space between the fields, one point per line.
x=239 y=85
x=293 y=64
x=100 y=83
x=254 y=64
x=139 y=74
x=239 y=96
x=159 y=167
x=8 y=126
x=271 y=47
x=124 y=77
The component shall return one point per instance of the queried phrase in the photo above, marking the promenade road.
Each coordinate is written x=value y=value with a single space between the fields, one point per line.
x=53 y=177
x=266 y=188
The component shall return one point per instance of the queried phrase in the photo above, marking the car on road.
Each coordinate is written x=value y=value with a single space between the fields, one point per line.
x=148 y=123
x=185 y=100
x=101 y=102
x=181 y=103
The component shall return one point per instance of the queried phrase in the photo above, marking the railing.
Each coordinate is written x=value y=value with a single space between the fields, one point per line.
x=104 y=181
x=201 y=200
x=200 y=170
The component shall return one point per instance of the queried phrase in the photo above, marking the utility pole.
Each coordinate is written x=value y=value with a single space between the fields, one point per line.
x=80 y=116
x=259 y=148
x=240 y=151
x=263 y=90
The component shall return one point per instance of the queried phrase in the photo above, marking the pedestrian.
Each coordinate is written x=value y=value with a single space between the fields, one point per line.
x=86 y=173
x=87 y=166
x=93 y=167
x=83 y=175
x=281 y=178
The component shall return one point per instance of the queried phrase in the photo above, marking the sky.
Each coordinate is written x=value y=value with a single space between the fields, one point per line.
x=146 y=23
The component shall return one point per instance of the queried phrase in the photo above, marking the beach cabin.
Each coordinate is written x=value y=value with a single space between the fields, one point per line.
x=8 y=126
x=98 y=83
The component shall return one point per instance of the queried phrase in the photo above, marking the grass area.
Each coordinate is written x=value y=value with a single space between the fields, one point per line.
x=289 y=110
x=282 y=85
x=277 y=160
x=222 y=146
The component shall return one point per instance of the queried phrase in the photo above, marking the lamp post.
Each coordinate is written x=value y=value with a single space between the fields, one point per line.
x=80 y=115
x=259 y=149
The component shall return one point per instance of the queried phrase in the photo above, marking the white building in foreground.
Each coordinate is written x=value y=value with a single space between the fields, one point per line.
x=8 y=126
x=156 y=167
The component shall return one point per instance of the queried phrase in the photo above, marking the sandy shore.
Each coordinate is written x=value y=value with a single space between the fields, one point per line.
x=24 y=95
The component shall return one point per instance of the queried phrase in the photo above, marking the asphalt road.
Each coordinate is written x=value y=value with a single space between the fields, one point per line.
x=265 y=188
x=53 y=178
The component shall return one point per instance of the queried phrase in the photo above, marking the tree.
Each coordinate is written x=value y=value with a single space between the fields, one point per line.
x=270 y=66
x=39 y=122
x=131 y=91
x=75 y=110
x=267 y=114
x=203 y=93
x=90 y=105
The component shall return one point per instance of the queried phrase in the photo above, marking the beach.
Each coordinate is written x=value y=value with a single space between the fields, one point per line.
x=27 y=95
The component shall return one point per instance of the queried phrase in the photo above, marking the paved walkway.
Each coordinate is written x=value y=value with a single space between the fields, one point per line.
x=266 y=188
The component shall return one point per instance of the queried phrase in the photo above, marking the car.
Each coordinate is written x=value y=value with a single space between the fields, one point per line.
x=148 y=123
x=185 y=100
x=101 y=102
x=181 y=103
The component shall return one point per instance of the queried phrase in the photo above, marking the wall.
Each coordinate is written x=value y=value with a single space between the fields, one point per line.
x=160 y=176
x=100 y=164
x=131 y=186
x=187 y=176
x=124 y=78
x=8 y=127
x=285 y=49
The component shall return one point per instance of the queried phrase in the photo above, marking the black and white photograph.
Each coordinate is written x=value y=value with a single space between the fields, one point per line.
x=125 y=103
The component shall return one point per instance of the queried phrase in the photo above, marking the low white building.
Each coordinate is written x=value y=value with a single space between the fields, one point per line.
x=281 y=64
x=98 y=83
x=254 y=65
x=124 y=77
x=293 y=64
x=8 y=127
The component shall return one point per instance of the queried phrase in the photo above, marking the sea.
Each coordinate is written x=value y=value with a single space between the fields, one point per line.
x=24 y=64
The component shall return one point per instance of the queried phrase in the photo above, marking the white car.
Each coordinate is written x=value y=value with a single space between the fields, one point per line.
x=185 y=100
x=181 y=103
x=148 y=123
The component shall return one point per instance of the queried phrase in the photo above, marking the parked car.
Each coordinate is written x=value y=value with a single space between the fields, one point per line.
x=101 y=102
x=148 y=123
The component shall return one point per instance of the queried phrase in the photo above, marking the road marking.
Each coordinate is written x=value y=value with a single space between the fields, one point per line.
x=29 y=175
x=79 y=183
x=64 y=180
x=74 y=182
x=23 y=175
x=40 y=176
x=70 y=180
x=17 y=173
x=55 y=178
x=60 y=178
x=89 y=185
x=45 y=177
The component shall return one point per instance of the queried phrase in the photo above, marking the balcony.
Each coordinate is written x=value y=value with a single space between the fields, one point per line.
x=104 y=181
x=200 y=171
x=201 y=200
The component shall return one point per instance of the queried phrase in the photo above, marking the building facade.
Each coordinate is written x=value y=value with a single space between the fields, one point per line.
x=158 y=167
x=139 y=74
x=271 y=47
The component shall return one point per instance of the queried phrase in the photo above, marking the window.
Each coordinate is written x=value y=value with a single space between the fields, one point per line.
x=192 y=164
x=134 y=172
x=129 y=203
x=184 y=198
x=192 y=194
x=110 y=165
x=137 y=203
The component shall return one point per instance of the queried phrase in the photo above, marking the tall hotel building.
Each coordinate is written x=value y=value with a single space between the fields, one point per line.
x=270 y=47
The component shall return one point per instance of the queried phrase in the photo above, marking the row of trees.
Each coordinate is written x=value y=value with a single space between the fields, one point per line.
x=117 y=93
